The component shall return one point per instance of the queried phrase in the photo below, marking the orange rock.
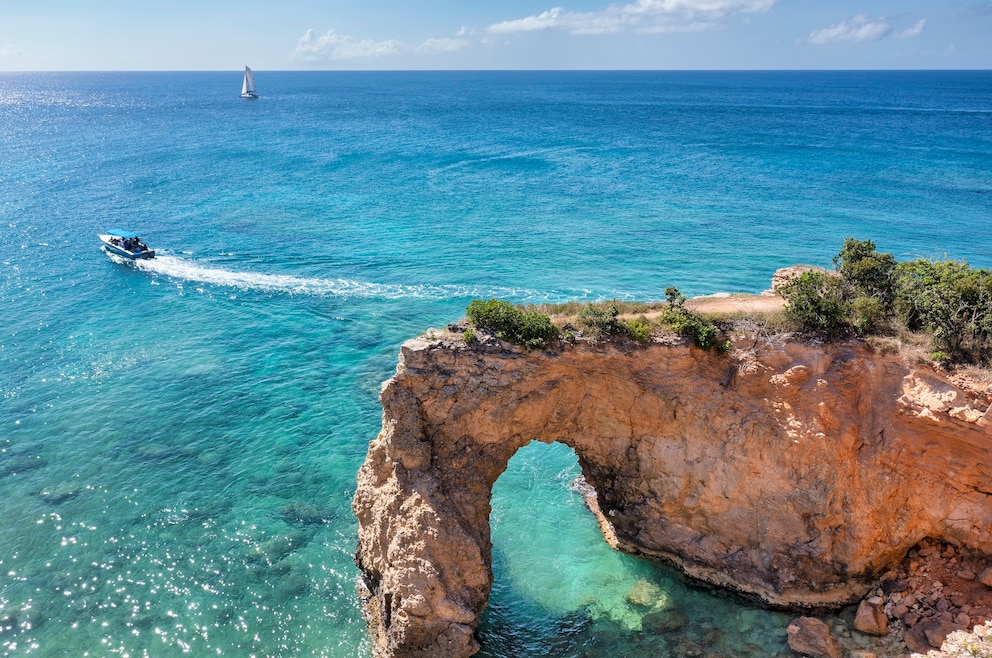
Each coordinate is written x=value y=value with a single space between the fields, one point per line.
x=871 y=618
x=796 y=479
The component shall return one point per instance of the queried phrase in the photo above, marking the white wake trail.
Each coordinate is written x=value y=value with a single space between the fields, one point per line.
x=181 y=269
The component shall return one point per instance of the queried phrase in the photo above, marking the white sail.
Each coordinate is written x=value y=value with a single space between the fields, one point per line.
x=248 y=86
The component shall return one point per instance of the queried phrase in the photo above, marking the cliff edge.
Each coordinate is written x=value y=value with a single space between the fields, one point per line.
x=794 y=473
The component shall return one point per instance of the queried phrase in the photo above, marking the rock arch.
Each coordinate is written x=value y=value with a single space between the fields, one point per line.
x=793 y=474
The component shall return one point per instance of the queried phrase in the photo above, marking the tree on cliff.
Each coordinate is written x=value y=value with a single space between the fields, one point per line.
x=947 y=299
x=952 y=302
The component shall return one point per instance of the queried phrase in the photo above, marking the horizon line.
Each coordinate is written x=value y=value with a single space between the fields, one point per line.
x=518 y=70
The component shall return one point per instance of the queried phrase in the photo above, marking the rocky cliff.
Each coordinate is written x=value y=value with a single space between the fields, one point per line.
x=794 y=473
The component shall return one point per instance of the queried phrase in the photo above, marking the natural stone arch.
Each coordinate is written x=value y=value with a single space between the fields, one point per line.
x=795 y=475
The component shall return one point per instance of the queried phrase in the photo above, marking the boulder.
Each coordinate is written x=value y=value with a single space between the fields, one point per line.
x=811 y=637
x=937 y=632
x=871 y=618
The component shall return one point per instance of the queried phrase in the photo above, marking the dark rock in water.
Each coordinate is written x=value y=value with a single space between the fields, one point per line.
x=144 y=621
x=59 y=493
x=275 y=549
x=812 y=638
x=21 y=464
x=292 y=585
x=664 y=621
x=300 y=513
x=711 y=637
x=688 y=649
x=155 y=452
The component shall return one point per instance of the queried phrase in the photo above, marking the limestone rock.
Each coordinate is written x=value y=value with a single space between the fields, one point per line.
x=782 y=491
x=785 y=275
x=811 y=637
x=871 y=618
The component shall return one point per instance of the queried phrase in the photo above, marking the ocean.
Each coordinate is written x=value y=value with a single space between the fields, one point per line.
x=179 y=437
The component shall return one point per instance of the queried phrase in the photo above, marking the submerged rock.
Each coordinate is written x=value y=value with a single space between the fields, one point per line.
x=301 y=513
x=664 y=621
x=271 y=551
x=59 y=493
x=646 y=594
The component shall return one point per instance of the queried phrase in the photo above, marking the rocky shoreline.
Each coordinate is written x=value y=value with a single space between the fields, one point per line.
x=937 y=603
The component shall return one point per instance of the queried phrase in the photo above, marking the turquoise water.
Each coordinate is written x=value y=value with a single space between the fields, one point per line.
x=179 y=438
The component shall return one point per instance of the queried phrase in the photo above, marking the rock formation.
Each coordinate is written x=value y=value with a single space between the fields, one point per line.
x=794 y=473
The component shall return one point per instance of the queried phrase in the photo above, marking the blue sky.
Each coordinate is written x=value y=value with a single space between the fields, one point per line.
x=101 y=35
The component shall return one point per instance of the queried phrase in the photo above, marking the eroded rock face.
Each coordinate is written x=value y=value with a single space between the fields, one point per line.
x=796 y=474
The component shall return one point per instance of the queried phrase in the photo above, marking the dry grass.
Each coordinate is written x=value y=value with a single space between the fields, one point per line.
x=569 y=310
x=761 y=319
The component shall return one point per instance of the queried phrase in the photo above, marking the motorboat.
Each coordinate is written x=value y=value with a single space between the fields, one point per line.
x=125 y=243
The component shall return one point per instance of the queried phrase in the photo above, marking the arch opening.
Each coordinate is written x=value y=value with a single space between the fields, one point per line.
x=560 y=589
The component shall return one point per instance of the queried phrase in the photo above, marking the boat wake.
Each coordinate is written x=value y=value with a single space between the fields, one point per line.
x=184 y=270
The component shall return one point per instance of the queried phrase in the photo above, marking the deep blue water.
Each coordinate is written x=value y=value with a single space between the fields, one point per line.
x=179 y=440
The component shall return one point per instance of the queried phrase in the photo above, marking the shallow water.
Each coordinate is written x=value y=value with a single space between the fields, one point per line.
x=179 y=438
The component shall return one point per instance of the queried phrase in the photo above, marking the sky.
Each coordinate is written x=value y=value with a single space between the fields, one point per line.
x=192 y=35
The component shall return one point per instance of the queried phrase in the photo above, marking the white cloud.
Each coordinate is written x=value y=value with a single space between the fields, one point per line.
x=442 y=45
x=859 y=28
x=543 y=21
x=339 y=46
x=863 y=28
x=913 y=31
x=9 y=50
x=709 y=8
x=643 y=16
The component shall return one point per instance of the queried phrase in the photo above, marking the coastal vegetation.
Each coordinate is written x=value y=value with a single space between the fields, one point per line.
x=945 y=304
x=870 y=293
x=511 y=323
x=598 y=321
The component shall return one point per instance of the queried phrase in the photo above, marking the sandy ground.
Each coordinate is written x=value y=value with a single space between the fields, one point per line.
x=738 y=302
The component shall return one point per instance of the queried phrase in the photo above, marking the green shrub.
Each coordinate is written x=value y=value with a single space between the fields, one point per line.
x=704 y=333
x=600 y=321
x=815 y=302
x=867 y=314
x=469 y=336
x=509 y=323
x=638 y=331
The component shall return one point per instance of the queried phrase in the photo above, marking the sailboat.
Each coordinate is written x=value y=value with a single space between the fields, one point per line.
x=248 y=86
